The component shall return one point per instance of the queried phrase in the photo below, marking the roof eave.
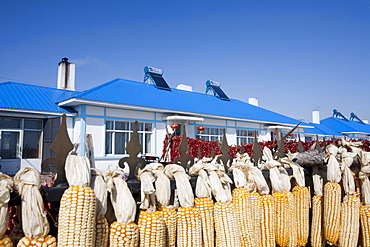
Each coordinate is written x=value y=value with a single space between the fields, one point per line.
x=77 y=101
x=26 y=111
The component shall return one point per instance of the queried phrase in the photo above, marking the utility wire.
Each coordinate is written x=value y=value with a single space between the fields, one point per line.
x=11 y=79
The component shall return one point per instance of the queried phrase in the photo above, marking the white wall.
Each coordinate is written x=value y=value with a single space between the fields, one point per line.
x=95 y=127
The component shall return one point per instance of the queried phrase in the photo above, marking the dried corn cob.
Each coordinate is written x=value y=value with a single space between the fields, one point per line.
x=163 y=196
x=152 y=229
x=243 y=204
x=292 y=221
x=225 y=216
x=302 y=200
x=316 y=225
x=100 y=189
x=124 y=231
x=281 y=221
x=350 y=221
x=226 y=224
x=188 y=220
x=204 y=203
x=332 y=198
x=169 y=216
x=280 y=183
x=35 y=224
x=268 y=221
x=151 y=224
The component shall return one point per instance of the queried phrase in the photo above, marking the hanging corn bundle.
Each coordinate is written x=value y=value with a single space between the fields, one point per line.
x=332 y=197
x=34 y=221
x=225 y=216
x=302 y=202
x=242 y=199
x=163 y=195
x=124 y=231
x=188 y=220
x=317 y=236
x=99 y=186
x=350 y=207
x=151 y=223
x=365 y=191
x=263 y=209
x=77 y=219
x=280 y=183
x=5 y=187
x=204 y=202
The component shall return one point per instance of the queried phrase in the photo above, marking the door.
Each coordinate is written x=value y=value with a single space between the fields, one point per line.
x=10 y=151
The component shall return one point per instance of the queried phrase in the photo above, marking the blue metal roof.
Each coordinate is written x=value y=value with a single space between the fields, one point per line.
x=120 y=91
x=20 y=96
x=343 y=126
x=320 y=129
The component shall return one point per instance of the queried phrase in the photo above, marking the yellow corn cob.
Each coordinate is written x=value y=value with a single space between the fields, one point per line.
x=365 y=225
x=267 y=221
x=256 y=209
x=102 y=232
x=6 y=242
x=292 y=221
x=316 y=225
x=226 y=225
x=188 y=227
x=152 y=229
x=281 y=220
x=126 y=235
x=169 y=216
x=204 y=206
x=48 y=241
x=76 y=223
x=332 y=198
x=302 y=199
x=350 y=223
x=243 y=204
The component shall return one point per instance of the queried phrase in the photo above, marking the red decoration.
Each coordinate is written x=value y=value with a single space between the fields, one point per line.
x=201 y=128
x=290 y=134
x=274 y=133
x=174 y=126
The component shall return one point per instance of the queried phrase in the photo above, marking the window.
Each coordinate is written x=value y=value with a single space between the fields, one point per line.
x=118 y=134
x=291 y=138
x=18 y=132
x=244 y=136
x=210 y=134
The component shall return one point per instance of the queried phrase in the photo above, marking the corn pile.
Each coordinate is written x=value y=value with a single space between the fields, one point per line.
x=77 y=214
x=35 y=224
x=124 y=231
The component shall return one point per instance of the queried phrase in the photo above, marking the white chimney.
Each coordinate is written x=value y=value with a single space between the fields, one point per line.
x=253 y=101
x=66 y=75
x=185 y=87
x=316 y=117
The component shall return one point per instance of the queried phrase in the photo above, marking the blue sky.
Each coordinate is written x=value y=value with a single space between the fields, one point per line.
x=295 y=56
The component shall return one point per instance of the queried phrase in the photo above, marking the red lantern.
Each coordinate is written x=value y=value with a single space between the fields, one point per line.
x=201 y=128
x=174 y=126
x=274 y=133
x=290 y=134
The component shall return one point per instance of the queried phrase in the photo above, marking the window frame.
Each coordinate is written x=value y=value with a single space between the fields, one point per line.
x=249 y=137
x=142 y=132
